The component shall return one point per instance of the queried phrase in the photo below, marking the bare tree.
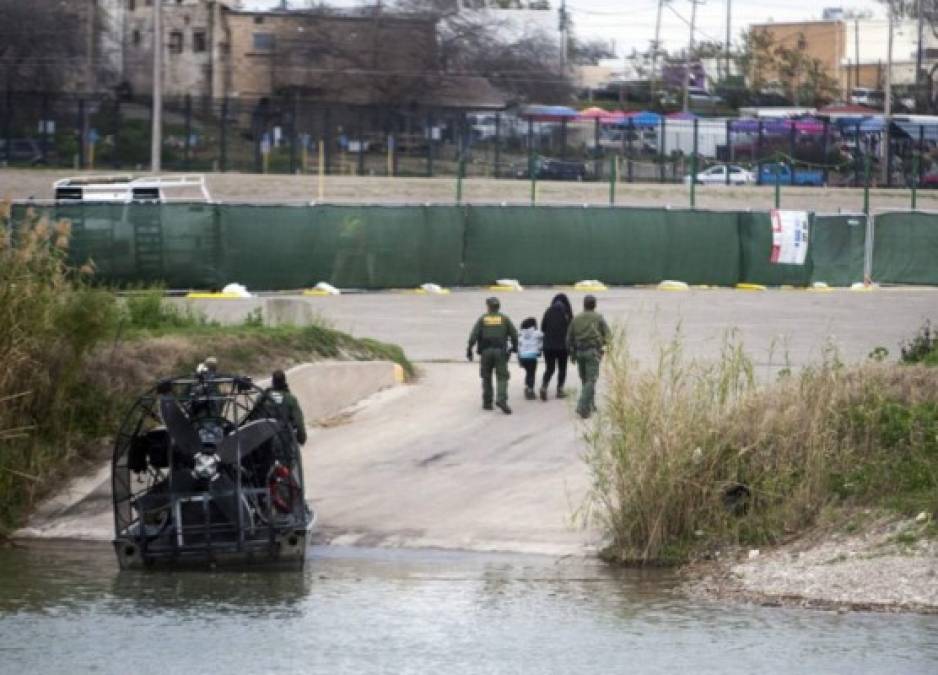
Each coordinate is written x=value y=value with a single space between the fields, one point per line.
x=48 y=45
x=524 y=64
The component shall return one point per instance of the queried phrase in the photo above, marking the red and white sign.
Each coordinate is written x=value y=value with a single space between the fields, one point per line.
x=789 y=237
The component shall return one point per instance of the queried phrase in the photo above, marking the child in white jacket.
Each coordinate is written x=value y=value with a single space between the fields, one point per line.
x=530 y=345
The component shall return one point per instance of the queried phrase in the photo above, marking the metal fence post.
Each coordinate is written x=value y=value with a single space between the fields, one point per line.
x=778 y=186
x=498 y=146
x=729 y=149
x=856 y=154
x=888 y=139
x=563 y=138
x=921 y=151
x=661 y=150
x=824 y=150
x=612 y=180
x=361 y=146
x=223 y=136
x=460 y=168
x=866 y=184
x=329 y=139
x=294 y=112
x=429 y=145
x=791 y=150
x=693 y=170
x=8 y=126
x=187 y=147
x=44 y=132
x=758 y=157
x=631 y=169
x=82 y=129
x=597 y=161
x=915 y=161
x=115 y=159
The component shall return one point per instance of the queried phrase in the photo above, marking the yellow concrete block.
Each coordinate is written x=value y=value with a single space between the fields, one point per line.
x=199 y=295
x=750 y=287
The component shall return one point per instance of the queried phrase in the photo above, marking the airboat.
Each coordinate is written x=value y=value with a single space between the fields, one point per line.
x=207 y=470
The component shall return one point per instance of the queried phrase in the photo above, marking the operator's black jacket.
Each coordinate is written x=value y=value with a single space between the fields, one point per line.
x=554 y=326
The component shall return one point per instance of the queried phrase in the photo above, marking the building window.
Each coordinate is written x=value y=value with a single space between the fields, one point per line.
x=136 y=38
x=175 y=42
x=258 y=19
x=131 y=5
x=199 y=43
x=263 y=41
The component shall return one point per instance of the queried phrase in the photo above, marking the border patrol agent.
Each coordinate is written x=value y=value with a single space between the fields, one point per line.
x=491 y=333
x=279 y=393
x=587 y=337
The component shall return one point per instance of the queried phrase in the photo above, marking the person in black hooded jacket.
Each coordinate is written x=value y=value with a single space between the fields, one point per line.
x=554 y=325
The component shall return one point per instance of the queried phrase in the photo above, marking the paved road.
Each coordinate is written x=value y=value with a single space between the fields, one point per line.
x=424 y=465
x=770 y=322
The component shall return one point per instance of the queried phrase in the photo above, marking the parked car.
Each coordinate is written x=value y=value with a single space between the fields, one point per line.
x=716 y=175
x=22 y=151
x=872 y=98
x=700 y=96
x=777 y=171
x=554 y=169
x=929 y=181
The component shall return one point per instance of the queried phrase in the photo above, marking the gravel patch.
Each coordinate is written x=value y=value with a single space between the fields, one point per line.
x=890 y=567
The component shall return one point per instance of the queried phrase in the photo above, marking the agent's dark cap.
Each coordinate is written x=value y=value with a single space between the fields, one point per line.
x=279 y=380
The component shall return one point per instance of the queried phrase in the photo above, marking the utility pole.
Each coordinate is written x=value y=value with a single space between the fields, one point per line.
x=918 y=59
x=887 y=104
x=690 y=53
x=157 y=131
x=654 y=51
x=563 y=35
x=856 y=52
x=729 y=11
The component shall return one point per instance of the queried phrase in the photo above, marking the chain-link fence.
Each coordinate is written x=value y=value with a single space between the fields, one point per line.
x=292 y=134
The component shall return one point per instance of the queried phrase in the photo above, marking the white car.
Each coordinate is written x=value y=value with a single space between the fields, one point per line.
x=716 y=175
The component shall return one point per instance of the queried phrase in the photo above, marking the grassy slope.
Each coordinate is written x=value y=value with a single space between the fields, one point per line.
x=146 y=341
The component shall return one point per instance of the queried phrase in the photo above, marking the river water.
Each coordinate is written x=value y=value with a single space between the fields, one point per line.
x=67 y=609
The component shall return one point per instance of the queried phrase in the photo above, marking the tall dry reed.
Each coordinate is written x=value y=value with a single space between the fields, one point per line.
x=50 y=319
x=690 y=454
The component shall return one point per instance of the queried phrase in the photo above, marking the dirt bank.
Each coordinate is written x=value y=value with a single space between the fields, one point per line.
x=890 y=566
x=233 y=187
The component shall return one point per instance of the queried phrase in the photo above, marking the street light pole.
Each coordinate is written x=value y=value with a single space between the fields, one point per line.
x=887 y=104
x=654 y=52
x=156 y=135
x=690 y=53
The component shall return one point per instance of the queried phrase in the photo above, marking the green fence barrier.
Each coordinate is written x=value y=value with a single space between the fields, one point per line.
x=277 y=247
x=283 y=247
x=755 y=239
x=837 y=248
x=557 y=245
x=905 y=248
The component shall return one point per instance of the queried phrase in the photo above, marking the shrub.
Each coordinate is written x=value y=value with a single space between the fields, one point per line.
x=922 y=347
x=693 y=455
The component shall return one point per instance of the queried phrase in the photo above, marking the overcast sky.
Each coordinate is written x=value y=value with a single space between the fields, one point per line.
x=631 y=23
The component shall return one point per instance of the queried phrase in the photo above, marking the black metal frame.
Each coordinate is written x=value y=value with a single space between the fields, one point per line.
x=180 y=534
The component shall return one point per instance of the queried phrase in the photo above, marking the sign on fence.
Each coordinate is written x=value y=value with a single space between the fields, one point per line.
x=789 y=237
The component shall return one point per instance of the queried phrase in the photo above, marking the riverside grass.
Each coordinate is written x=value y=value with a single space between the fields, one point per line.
x=692 y=456
x=73 y=357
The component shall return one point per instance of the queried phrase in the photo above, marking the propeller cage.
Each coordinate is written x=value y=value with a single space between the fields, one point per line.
x=191 y=471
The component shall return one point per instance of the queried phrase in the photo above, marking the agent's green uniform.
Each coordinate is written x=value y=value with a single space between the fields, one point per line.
x=587 y=335
x=291 y=411
x=492 y=333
